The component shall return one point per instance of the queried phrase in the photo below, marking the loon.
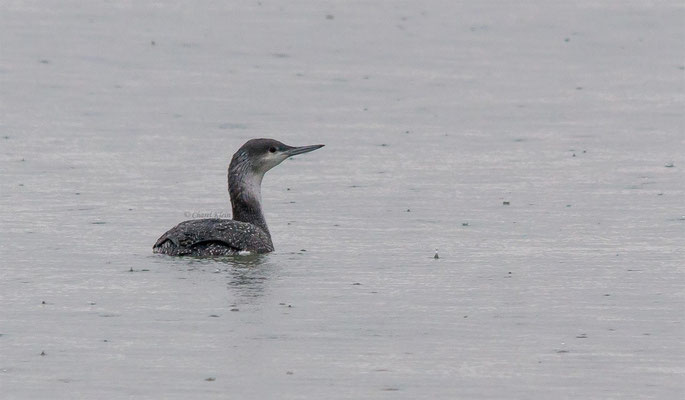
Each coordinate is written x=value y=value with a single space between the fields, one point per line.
x=247 y=231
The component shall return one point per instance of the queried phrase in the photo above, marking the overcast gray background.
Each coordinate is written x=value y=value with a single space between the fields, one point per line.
x=118 y=119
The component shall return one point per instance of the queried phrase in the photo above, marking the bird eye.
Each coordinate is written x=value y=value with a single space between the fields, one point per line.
x=272 y=149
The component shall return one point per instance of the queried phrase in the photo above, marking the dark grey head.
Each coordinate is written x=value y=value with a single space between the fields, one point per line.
x=260 y=155
x=248 y=166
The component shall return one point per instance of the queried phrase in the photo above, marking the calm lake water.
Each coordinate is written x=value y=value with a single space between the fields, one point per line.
x=539 y=147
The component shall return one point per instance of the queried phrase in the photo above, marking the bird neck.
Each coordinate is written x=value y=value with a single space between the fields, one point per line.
x=245 y=190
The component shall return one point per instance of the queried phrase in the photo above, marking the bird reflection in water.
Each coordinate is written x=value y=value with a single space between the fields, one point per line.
x=247 y=275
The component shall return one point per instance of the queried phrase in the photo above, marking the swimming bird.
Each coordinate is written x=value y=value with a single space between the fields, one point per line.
x=247 y=231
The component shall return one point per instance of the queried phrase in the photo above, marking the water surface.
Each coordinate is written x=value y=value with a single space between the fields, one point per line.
x=538 y=147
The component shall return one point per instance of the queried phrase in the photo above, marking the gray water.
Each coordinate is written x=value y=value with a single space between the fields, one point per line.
x=539 y=147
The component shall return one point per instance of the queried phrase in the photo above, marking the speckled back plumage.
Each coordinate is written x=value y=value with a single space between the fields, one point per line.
x=213 y=237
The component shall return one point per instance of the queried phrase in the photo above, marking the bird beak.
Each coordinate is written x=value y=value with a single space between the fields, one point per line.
x=293 y=151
